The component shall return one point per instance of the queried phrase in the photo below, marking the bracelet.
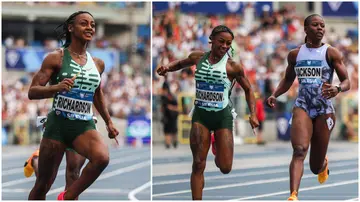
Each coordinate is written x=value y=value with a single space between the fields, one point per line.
x=338 y=88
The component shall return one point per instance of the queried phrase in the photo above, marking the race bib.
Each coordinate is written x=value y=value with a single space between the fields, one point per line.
x=309 y=71
x=76 y=104
x=209 y=95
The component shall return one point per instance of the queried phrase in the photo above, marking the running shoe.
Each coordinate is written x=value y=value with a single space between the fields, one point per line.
x=293 y=196
x=28 y=168
x=61 y=196
x=323 y=176
x=213 y=149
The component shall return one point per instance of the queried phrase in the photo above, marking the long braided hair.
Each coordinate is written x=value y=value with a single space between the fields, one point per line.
x=222 y=28
x=64 y=32
x=308 y=19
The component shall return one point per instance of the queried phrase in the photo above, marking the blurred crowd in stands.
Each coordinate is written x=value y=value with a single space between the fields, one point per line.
x=114 y=4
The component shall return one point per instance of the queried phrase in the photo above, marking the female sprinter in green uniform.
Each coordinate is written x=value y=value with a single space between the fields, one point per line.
x=75 y=86
x=214 y=75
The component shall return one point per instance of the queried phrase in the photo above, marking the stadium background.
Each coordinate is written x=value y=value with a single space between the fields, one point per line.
x=122 y=40
x=264 y=34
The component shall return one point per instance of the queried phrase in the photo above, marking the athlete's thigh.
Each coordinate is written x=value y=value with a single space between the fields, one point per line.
x=50 y=156
x=74 y=160
x=224 y=142
x=35 y=165
x=90 y=145
x=301 y=129
x=199 y=140
x=323 y=125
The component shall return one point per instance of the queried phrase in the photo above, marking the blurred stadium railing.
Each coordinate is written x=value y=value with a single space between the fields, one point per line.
x=122 y=40
x=264 y=34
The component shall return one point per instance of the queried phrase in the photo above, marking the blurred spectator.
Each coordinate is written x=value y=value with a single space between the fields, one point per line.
x=21 y=126
x=19 y=43
x=349 y=129
x=117 y=5
x=260 y=114
x=9 y=42
x=170 y=114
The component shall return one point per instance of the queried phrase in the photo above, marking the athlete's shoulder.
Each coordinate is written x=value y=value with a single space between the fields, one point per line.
x=99 y=64
x=236 y=67
x=232 y=62
x=295 y=51
x=293 y=54
x=334 y=50
x=59 y=52
x=196 y=54
x=54 y=58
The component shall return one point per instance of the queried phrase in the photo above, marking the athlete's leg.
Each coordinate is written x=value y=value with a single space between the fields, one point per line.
x=50 y=158
x=74 y=163
x=224 y=143
x=35 y=165
x=323 y=125
x=90 y=145
x=199 y=144
x=301 y=131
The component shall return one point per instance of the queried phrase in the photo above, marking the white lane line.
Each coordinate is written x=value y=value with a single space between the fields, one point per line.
x=109 y=174
x=112 y=155
x=353 y=199
x=62 y=172
x=252 y=173
x=91 y=190
x=127 y=159
x=112 y=162
x=183 y=168
x=300 y=190
x=129 y=152
x=12 y=171
x=132 y=193
x=254 y=182
x=12 y=154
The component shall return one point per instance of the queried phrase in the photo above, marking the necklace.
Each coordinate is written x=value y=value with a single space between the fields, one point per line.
x=309 y=44
x=78 y=55
x=214 y=58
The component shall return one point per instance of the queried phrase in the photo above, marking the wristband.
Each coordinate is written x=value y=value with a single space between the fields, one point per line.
x=338 y=88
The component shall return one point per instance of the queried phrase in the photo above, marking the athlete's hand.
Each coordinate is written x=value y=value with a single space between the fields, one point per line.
x=162 y=70
x=112 y=131
x=254 y=122
x=271 y=101
x=329 y=91
x=66 y=84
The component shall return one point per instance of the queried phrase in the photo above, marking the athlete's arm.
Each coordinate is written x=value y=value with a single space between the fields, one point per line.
x=249 y=94
x=287 y=81
x=99 y=102
x=180 y=64
x=336 y=62
x=38 y=88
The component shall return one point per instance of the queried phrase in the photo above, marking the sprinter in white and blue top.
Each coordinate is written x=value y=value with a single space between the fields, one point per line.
x=312 y=71
x=313 y=115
